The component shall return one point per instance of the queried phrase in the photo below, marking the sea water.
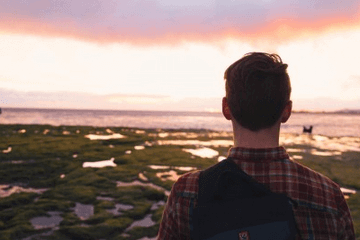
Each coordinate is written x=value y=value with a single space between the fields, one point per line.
x=327 y=124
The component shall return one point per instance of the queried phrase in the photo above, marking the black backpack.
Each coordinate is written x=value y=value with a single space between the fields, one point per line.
x=232 y=205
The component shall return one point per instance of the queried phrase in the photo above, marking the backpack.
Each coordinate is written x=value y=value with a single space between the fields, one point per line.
x=232 y=205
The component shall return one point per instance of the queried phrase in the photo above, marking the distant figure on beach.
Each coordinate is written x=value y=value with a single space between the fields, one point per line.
x=307 y=130
x=257 y=101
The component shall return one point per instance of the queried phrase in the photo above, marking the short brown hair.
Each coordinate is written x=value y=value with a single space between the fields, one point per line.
x=257 y=89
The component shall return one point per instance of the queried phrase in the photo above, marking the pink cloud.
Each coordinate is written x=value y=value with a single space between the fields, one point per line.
x=172 y=21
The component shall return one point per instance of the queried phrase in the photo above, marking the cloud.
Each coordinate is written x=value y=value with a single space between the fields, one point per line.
x=76 y=100
x=325 y=104
x=352 y=82
x=350 y=87
x=172 y=21
x=135 y=99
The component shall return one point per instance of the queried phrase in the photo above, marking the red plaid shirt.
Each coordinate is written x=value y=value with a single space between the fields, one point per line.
x=322 y=212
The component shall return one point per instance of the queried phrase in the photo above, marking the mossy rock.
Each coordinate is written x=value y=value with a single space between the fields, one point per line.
x=82 y=194
x=139 y=211
x=354 y=205
x=130 y=194
x=153 y=194
x=6 y=215
x=110 y=227
x=23 y=216
x=78 y=232
x=124 y=173
x=19 y=231
x=70 y=219
x=91 y=179
x=105 y=204
x=99 y=217
x=121 y=161
x=17 y=199
x=34 y=173
x=53 y=205
x=140 y=232
x=157 y=215
x=117 y=224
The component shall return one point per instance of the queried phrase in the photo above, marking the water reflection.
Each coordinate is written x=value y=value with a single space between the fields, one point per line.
x=139 y=147
x=7 y=190
x=141 y=176
x=191 y=135
x=338 y=144
x=170 y=175
x=110 y=199
x=47 y=221
x=145 y=222
x=296 y=150
x=119 y=206
x=104 y=137
x=138 y=183
x=100 y=164
x=333 y=144
x=155 y=206
x=203 y=152
x=84 y=211
x=324 y=153
x=8 y=150
x=158 y=167
x=347 y=192
x=178 y=134
x=215 y=143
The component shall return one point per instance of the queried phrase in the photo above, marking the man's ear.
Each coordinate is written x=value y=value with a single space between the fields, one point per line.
x=226 y=109
x=286 y=112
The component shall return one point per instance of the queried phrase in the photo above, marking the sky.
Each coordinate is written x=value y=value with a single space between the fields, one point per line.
x=171 y=54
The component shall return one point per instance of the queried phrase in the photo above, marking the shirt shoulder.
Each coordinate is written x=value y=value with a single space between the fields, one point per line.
x=187 y=185
x=314 y=178
x=314 y=187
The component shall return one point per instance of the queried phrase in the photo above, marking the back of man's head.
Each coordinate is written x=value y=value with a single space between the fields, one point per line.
x=257 y=90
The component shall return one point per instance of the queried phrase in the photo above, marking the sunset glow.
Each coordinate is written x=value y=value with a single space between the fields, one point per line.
x=160 y=55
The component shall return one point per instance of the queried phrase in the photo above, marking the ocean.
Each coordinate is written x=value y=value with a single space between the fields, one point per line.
x=327 y=124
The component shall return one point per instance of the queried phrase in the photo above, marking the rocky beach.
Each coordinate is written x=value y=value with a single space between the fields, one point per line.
x=83 y=182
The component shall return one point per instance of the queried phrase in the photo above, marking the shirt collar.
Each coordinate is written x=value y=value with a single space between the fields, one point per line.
x=258 y=154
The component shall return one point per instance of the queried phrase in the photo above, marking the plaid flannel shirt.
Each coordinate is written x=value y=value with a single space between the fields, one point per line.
x=322 y=212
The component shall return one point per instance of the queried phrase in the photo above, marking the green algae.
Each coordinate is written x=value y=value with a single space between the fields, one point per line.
x=354 y=205
x=107 y=229
x=51 y=157
x=18 y=199
x=139 y=232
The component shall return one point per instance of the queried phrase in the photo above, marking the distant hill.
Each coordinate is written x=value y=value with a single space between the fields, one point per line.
x=344 y=111
x=349 y=111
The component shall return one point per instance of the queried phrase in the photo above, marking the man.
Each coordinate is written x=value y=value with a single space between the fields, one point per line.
x=257 y=102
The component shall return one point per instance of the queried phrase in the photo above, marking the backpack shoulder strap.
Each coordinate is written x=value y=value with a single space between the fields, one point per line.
x=216 y=180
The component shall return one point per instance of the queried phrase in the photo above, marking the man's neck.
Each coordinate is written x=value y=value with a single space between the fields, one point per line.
x=265 y=138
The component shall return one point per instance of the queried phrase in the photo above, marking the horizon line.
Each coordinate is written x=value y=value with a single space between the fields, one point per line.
x=344 y=110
